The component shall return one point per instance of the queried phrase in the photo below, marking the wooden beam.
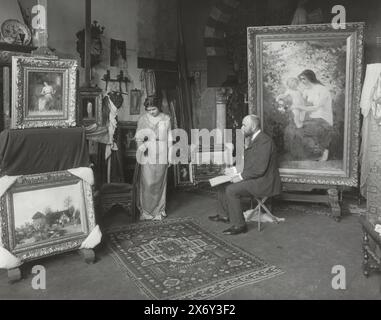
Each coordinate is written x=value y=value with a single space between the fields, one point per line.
x=88 y=43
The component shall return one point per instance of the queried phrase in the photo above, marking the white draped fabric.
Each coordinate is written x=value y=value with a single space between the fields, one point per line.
x=371 y=91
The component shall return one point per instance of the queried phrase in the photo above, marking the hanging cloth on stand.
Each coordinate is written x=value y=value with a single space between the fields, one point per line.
x=370 y=108
x=148 y=80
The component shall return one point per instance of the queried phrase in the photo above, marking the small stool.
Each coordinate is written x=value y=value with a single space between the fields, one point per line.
x=261 y=205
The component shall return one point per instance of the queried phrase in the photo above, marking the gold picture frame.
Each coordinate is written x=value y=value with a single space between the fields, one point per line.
x=43 y=92
x=45 y=214
x=277 y=54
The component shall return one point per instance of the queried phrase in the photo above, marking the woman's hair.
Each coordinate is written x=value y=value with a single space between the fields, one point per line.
x=152 y=101
x=310 y=75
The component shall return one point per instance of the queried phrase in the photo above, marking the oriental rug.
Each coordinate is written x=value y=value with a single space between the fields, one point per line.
x=177 y=259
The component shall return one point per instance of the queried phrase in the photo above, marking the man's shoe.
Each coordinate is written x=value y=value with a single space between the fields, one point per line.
x=219 y=218
x=235 y=230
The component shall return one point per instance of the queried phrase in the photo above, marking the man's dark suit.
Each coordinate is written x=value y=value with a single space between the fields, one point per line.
x=260 y=179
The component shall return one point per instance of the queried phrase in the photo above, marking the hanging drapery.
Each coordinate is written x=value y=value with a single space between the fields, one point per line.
x=371 y=131
x=184 y=93
x=148 y=80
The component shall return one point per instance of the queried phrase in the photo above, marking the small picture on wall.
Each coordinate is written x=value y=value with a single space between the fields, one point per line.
x=88 y=109
x=184 y=175
x=135 y=101
x=90 y=106
x=127 y=131
x=118 y=54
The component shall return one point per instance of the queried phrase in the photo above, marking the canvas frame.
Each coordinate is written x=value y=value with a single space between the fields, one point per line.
x=36 y=182
x=22 y=67
x=188 y=183
x=95 y=94
x=123 y=127
x=354 y=36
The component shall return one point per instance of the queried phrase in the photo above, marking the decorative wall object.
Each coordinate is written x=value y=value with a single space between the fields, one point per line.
x=96 y=44
x=15 y=32
x=45 y=214
x=309 y=61
x=135 y=101
x=184 y=175
x=126 y=138
x=90 y=106
x=44 y=92
x=118 y=54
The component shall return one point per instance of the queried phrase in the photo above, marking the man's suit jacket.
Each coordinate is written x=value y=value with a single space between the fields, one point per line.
x=261 y=167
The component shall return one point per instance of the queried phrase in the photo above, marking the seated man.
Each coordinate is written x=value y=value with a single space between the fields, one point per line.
x=259 y=178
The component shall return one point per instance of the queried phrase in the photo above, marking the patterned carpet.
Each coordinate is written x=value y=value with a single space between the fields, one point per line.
x=349 y=206
x=177 y=259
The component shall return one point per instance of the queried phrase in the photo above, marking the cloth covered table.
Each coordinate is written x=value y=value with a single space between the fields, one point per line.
x=41 y=150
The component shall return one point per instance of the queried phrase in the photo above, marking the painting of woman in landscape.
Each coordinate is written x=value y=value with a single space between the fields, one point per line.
x=45 y=94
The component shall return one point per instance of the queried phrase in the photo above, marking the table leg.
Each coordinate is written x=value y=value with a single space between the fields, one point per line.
x=365 y=253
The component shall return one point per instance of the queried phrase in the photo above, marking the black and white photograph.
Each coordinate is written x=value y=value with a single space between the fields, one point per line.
x=164 y=152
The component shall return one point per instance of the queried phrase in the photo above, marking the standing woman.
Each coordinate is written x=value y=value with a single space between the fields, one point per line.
x=152 y=135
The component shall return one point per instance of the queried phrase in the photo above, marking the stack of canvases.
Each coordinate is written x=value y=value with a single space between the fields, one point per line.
x=46 y=196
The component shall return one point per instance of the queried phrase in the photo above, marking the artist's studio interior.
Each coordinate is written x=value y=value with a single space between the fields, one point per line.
x=190 y=150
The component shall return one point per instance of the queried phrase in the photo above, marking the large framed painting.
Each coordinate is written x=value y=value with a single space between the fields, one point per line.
x=304 y=82
x=43 y=92
x=45 y=214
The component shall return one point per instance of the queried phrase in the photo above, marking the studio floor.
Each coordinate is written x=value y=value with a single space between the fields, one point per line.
x=306 y=247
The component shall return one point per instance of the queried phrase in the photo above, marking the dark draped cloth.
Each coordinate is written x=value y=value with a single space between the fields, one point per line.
x=40 y=150
x=309 y=141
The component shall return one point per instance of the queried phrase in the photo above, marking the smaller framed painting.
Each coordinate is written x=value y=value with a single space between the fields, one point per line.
x=135 y=101
x=184 y=175
x=126 y=137
x=89 y=106
x=43 y=92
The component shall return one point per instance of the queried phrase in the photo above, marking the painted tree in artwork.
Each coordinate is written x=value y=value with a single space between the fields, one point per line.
x=68 y=205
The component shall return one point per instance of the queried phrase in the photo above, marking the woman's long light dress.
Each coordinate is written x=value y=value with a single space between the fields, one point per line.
x=152 y=177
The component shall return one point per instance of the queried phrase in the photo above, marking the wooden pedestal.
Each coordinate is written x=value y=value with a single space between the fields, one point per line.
x=372 y=261
x=14 y=275
x=88 y=255
x=302 y=193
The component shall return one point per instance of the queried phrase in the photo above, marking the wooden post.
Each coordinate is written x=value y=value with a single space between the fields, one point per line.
x=88 y=44
x=43 y=32
x=40 y=26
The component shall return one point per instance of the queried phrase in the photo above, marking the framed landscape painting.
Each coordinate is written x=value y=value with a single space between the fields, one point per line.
x=304 y=82
x=45 y=214
x=43 y=92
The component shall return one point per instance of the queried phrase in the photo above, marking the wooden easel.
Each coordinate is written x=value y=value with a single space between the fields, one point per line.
x=43 y=51
x=302 y=193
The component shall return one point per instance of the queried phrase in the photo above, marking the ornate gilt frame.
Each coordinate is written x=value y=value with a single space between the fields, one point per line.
x=47 y=247
x=21 y=66
x=354 y=36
